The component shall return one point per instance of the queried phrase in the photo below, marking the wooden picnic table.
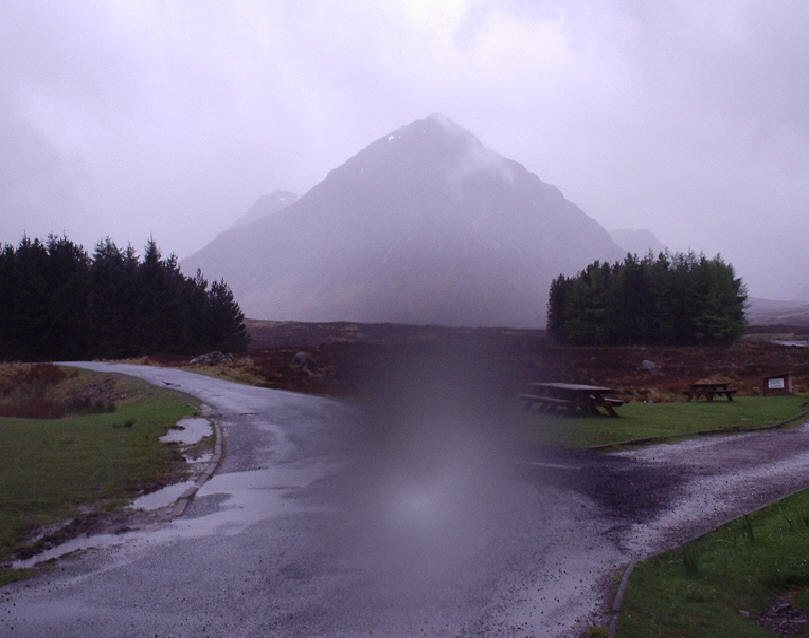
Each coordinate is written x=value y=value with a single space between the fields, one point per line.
x=709 y=391
x=571 y=397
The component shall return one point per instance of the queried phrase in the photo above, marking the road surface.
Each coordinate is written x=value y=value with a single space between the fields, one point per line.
x=325 y=520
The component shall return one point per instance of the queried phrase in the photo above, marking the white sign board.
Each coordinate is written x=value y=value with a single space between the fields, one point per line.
x=776 y=384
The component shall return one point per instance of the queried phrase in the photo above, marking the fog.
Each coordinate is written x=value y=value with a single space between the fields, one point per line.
x=430 y=493
x=170 y=119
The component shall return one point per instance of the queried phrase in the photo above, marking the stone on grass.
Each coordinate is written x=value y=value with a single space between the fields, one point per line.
x=211 y=358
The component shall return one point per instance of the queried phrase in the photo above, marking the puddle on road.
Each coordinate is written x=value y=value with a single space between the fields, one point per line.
x=245 y=498
x=74 y=545
x=162 y=497
x=201 y=460
x=193 y=430
x=242 y=498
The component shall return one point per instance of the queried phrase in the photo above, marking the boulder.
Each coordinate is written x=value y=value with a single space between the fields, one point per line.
x=211 y=359
x=303 y=360
x=649 y=366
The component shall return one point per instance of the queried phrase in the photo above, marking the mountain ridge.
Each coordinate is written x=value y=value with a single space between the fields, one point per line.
x=266 y=205
x=639 y=241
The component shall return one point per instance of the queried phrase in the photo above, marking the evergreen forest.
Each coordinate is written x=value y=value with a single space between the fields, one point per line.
x=59 y=303
x=680 y=299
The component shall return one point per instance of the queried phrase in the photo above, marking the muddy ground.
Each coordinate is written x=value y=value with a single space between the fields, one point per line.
x=348 y=359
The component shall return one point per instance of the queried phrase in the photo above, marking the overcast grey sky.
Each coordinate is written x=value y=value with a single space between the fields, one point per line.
x=170 y=118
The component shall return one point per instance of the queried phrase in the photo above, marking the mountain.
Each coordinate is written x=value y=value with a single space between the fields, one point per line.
x=424 y=225
x=266 y=205
x=637 y=241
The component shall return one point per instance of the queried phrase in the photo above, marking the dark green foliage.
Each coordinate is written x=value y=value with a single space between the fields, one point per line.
x=58 y=303
x=681 y=299
x=226 y=324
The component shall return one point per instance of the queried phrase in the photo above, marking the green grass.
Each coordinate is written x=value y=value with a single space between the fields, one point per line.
x=53 y=467
x=718 y=584
x=641 y=420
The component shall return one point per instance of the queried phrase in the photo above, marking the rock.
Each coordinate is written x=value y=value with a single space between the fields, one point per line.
x=649 y=366
x=211 y=358
x=303 y=360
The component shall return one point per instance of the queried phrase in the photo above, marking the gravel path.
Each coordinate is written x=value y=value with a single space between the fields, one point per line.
x=723 y=478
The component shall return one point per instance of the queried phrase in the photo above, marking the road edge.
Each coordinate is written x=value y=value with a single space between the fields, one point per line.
x=615 y=611
x=182 y=503
x=738 y=429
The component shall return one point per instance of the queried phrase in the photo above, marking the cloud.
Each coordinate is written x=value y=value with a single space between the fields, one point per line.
x=42 y=191
x=171 y=118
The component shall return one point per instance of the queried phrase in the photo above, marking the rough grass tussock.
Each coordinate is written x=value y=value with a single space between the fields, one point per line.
x=46 y=391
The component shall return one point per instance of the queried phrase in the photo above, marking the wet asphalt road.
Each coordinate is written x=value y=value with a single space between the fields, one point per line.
x=324 y=520
x=314 y=525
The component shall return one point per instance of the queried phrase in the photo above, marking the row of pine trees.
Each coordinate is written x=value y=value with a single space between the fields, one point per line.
x=59 y=303
x=680 y=299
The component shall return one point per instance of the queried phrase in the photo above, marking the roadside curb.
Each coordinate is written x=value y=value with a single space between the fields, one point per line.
x=615 y=612
x=185 y=499
x=664 y=439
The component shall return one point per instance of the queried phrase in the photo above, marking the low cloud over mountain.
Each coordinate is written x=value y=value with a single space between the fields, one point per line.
x=638 y=241
x=424 y=225
x=266 y=205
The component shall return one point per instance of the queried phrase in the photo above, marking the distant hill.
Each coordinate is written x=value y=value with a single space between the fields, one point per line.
x=266 y=205
x=424 y=225
x=637 y=241
x=777 y=312
x=803 y=294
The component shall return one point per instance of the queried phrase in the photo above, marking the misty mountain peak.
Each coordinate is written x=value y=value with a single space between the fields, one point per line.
x=423 y=225
x=435 y=152
x=439 y=130
x=444 y=120
x=438 y=124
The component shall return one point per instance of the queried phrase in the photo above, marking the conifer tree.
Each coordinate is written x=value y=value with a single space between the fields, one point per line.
x=62 y=304
x=681 y=299
x=226 y=321
x=68 y=275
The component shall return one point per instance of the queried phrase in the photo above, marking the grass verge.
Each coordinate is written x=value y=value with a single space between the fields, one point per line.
x=56 y=469
x=747 y=578
x=237 y=373
x=641 y=420
x=239 y=370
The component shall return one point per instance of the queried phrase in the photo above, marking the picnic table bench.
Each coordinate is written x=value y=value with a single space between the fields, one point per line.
x=709 y=391
x=571 y=397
